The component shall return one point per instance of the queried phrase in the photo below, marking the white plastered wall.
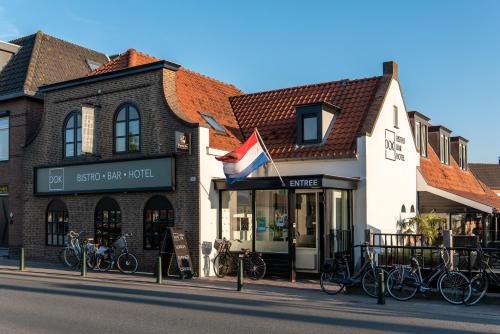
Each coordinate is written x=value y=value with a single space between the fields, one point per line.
x=390 y=184
x=209 y=199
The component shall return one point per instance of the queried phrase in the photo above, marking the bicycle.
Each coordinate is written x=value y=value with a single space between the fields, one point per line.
x=126 y=262
x=336 y=275
x=405 y=281
x=72 y=253
x=480 y=282
x=253 y=264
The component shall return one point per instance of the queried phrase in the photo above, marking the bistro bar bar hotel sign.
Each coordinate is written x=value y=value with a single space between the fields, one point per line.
x=110 y=176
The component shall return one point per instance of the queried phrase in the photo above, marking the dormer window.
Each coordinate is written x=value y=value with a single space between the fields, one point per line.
x=444 y=149
x=214 y=124
x=314 y=122
x=459 y=151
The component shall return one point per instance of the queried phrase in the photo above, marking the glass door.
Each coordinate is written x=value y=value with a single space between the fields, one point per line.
x=338 y=231
x=306 y=231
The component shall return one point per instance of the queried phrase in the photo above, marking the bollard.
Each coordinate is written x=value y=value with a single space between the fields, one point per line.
x=84 y=262
x=381 y=288
x=159 y=278
x=21 y=260
x=240 y=274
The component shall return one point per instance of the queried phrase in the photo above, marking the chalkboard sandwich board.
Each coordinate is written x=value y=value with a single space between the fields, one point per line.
x=175 y=245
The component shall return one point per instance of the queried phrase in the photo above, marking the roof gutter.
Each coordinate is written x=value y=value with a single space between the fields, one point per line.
x=111 y=75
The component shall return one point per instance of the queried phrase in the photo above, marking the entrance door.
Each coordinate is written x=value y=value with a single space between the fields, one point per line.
x=307 y=231
x=338 y=229
x=4 y=221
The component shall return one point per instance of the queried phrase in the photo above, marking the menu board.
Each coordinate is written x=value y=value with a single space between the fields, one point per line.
x=181 y=251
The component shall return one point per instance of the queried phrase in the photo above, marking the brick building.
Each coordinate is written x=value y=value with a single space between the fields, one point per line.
x=26 y=64
x=150 y=119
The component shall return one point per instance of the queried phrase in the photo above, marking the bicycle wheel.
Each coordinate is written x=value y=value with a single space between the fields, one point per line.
x=255 y=267
x=103 y=262
x=71 y=257
x=454 y=287
x=479 y=286
x=402 y=283
x=329 y=282
x=91 y=260
x=127 y=263
x=221 y=265
x=369 y=282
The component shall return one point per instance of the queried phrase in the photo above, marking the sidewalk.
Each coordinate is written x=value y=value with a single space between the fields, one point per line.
x=227 y=283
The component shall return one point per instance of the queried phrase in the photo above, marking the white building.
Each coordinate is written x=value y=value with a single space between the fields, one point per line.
x=346 y=152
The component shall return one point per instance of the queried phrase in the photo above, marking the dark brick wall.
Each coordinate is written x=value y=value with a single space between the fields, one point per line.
x=11 y=171
x=158 y=126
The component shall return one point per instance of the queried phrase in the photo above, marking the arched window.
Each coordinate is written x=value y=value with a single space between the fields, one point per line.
x=108 y=221
x=127 y=129
x=73 y=135
x=57 y=223
x=158 y=215
x=403 y=209
x=412 y=209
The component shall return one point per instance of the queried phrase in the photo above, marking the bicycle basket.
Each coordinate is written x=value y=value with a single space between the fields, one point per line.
x=119 y=244
x=218 y=244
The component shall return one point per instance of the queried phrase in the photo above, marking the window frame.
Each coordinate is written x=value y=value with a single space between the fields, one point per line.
x=214 y=124
x=303 y=117
x=52 y=207
x=395 y=117
x=5 y=115
x=424 y=140
x=75 y=128
x=418 y=138
x=169 y=222
x=126 y=107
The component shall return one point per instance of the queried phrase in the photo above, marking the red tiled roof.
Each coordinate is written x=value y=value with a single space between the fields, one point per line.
x=452 y=179
x=195 y=94
x=129 y=58
x=273 y=113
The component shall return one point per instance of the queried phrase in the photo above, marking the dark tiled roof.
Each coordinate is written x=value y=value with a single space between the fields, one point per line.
x=273 y=114
x=41 y=60
x=452 y=179
x=195 y=94
x=488 y=173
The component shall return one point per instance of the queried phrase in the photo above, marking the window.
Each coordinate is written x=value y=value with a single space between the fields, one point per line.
x=108 y=221
x=424 y=139
x=337 y=222
x=395 y=117
x=236 y=218
x=4 y=138
x=127 y=129
x=271 y=221
x=310 y=128
x=417 y=135
x=213 y=123
x=73 y=135
x=462 y=156
x=447 y=150
x=158 y=215
x=57 y=223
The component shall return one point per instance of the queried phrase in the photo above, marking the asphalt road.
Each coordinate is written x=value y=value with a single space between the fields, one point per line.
x=56 y=304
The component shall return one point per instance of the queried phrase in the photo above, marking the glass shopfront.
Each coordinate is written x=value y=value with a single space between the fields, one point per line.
x=310 y=223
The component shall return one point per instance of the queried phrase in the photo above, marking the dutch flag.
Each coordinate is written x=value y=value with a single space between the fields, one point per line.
x=242 y=162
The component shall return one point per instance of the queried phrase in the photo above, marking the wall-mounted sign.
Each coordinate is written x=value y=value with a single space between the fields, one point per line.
x=182 y=141
x=120 y=176
x=4 y=189
x=394 y=146
x=304 y=183
x=88 y=129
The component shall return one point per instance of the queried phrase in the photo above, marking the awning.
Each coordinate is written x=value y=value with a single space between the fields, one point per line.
x=291 y=182
x=439 y=199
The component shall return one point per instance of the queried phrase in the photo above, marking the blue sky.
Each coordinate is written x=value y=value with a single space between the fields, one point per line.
x=448 y=51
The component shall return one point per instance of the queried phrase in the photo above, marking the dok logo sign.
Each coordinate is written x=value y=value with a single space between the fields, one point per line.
x=56 y=179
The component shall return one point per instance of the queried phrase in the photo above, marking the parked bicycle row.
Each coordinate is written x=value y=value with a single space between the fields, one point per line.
x=404 y=281
x=100 y=257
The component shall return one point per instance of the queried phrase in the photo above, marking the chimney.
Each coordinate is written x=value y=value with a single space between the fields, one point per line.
x=7 y=50
x=391 y=69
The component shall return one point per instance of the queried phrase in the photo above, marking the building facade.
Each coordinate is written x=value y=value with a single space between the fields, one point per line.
x=25 y=64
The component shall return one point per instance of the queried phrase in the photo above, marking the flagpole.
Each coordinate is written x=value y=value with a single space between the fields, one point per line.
x=269 y=156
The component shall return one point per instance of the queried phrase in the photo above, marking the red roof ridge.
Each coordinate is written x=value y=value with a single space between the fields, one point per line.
x=211 y=79
x=309 y=85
